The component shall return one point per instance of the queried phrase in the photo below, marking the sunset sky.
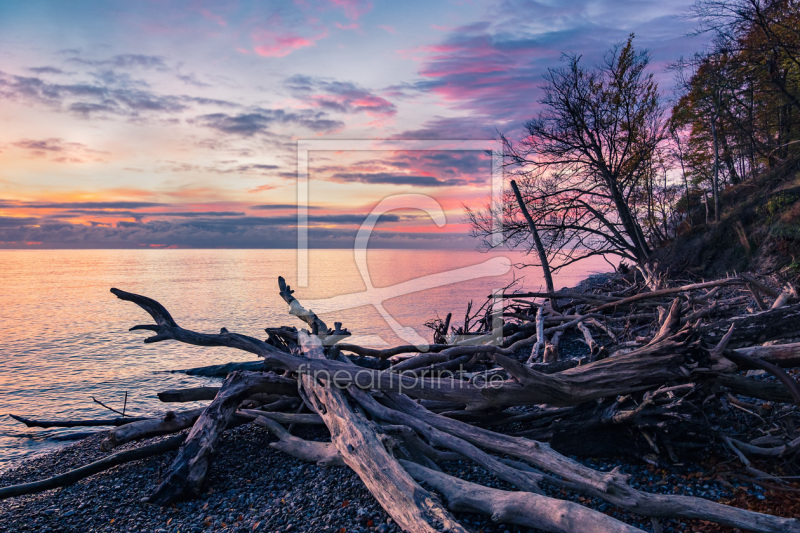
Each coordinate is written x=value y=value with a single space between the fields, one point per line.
x=175 y=124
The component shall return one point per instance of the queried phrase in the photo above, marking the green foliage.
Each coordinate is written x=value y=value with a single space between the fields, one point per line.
x=777 y=205
x=793 y=267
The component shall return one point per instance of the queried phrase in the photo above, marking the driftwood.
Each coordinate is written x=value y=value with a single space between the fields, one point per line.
x=31 y=423
x=321 y=453
x=540 y=343
x=522 y=508
x=189 y=469
x=782 y=355
x=195 y=394
x=68 y=478
x=612 y=486
x=360 y=447
x=669 y=378
x=221 y=371
x=170 y=423
x=750 y=330
x=773 y=392
x=667 y=292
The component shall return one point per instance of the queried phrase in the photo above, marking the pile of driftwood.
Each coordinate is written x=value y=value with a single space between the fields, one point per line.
x=667 y=371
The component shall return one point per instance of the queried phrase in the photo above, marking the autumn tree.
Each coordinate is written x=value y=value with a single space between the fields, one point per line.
x=740 y=102
x=707 y=101
x=758 y=42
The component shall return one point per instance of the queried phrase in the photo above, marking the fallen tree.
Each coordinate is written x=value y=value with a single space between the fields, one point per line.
x=663 y=373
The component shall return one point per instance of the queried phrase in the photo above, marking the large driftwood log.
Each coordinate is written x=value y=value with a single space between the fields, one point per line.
x=653 y=365
x=188 y=471
x=522 y=508
x=755 y=329
x=411 y=506
x=631 y=372
x=170 y=423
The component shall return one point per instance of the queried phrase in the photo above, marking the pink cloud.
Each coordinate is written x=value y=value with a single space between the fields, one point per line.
x=373 y=106
x=423 y=52
x=340 y=97
x=387 y=28
x=477 y=71
x=440 y=70
x=213 y=17
x=270 y=44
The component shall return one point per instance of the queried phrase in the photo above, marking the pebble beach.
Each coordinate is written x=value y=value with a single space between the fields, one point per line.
x=253 y=487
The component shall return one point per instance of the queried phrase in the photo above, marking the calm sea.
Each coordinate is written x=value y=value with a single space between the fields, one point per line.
x=65 y=337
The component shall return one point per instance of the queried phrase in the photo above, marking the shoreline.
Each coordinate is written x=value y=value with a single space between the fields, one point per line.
x=254 y=487
x=43 y=441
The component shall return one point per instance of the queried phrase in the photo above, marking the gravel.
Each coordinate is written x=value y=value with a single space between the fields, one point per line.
x=253 y=487
x=250 y=487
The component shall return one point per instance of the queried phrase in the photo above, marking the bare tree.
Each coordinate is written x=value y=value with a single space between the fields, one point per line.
x=583 y=158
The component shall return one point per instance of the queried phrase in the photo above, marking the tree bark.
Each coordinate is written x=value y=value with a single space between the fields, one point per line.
x=548 y=278
x=170 y=423
x=755 y=329
x=412 y=507
x=521 y=508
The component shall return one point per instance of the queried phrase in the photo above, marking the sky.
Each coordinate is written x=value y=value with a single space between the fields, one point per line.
x=177 y=124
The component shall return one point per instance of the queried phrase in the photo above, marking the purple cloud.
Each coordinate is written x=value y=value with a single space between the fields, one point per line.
x=339 y=96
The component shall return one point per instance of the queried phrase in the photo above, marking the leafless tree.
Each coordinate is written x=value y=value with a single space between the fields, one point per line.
x=583 y=160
